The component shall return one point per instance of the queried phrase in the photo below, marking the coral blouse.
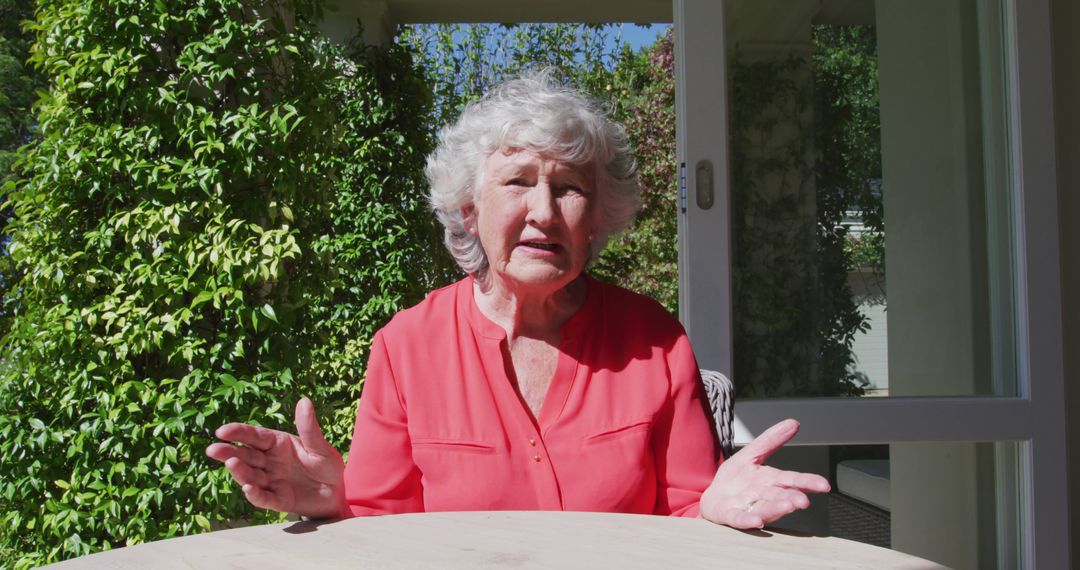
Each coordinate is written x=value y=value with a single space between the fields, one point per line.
x=440 y=427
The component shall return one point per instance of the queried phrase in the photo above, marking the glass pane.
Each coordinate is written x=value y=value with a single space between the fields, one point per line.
x=870 y=199
x=952 y=503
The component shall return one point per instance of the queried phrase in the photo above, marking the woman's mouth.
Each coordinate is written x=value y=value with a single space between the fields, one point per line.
x=545 y=246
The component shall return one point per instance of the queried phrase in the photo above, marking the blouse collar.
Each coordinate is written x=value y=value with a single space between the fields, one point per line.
x=573 y=328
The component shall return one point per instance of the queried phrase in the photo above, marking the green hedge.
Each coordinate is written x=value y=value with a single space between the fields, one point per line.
x=17 y=82
x=210 y=225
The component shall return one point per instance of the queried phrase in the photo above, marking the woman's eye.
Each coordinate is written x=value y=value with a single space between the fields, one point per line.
x=516 y=182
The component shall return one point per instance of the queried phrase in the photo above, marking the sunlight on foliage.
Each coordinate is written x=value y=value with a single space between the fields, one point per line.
x=212 y=224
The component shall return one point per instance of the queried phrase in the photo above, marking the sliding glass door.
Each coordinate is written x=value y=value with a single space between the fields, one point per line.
x=867 y=243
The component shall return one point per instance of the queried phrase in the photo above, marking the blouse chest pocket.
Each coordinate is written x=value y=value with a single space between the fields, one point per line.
x=620 y=466
x=638 y=429
x=452 y=445
x=459 y=474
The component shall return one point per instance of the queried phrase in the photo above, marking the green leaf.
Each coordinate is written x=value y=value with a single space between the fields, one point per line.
x=201 y=298
x=268 y=312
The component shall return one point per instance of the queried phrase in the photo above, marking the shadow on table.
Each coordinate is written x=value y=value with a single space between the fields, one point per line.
x=768 y=532
x=304 y=527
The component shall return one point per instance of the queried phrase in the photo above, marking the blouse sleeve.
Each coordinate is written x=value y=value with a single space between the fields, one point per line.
x=380 y=476
x=684 y=446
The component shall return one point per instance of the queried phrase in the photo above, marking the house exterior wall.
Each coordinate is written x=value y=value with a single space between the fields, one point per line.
x=871 y=347
x=1066 y=40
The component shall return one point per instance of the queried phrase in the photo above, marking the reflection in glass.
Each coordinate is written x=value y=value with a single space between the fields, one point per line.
x=870 y=199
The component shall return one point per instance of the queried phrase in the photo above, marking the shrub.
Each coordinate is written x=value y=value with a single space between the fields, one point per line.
x=17 y=82
x=645 y=258
x=210 y=226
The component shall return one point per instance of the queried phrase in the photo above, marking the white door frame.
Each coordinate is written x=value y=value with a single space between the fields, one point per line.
x=1036 y=418
x=704 y=238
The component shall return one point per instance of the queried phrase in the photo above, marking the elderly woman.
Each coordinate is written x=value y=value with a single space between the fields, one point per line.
x=528 y=384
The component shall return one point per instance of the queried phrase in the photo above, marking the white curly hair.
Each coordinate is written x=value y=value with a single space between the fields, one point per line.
x=535 y=112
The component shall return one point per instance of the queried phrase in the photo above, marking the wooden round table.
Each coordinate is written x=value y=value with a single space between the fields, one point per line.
x=500 y=539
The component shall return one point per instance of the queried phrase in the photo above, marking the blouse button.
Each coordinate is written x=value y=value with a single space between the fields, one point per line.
x=536 y=458
x=532 y=442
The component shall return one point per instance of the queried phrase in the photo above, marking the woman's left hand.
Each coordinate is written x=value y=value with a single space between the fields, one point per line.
x=746 y=494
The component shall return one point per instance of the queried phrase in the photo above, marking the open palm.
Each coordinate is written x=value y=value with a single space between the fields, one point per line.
x=745 y=493
x=299 y=474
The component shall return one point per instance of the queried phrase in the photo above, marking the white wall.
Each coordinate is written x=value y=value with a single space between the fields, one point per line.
x=871 y=348
x=932 y=165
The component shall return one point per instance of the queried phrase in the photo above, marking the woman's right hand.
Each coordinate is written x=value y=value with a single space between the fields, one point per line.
x=299 y=474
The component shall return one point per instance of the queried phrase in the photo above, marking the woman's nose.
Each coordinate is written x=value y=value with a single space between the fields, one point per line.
x=541 y=205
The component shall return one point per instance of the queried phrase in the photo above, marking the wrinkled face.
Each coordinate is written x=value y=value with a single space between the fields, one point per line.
x=535 y=217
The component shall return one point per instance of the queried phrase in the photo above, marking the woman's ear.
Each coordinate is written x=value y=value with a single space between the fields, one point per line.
x=468 y=214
